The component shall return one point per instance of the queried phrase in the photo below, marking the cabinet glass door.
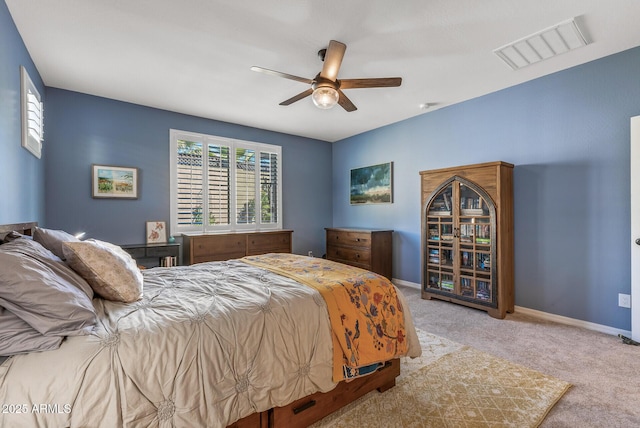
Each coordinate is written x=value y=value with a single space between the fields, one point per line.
x=459 y=230
x=475 y=245
x=440 y=238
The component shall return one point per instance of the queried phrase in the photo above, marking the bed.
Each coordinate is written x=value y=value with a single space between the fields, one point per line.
x=245 y=343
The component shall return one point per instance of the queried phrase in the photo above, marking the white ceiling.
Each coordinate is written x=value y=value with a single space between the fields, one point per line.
x=194 y=56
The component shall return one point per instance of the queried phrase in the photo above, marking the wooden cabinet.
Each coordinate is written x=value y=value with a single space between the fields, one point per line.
x=226 y=246
x=152 y=255
x=467 y=236
x=363 y=248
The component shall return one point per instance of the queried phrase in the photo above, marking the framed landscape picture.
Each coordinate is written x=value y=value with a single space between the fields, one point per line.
x=372 y=184
x=114 y=182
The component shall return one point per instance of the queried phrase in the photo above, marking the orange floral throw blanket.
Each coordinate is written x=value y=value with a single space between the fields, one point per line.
x=366 y=315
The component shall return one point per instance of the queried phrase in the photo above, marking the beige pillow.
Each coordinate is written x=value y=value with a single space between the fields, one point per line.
x=111 y=271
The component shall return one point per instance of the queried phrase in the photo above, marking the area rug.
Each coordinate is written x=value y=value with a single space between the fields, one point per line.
x=453 y=385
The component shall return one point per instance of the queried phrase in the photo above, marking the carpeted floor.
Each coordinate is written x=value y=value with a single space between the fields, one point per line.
x=453 y=385
x=603 y=371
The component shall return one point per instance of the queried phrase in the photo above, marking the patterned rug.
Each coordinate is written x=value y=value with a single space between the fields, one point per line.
x=453 y=385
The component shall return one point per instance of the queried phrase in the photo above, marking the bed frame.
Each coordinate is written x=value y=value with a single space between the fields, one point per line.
x=24 y=228
x=305 y=411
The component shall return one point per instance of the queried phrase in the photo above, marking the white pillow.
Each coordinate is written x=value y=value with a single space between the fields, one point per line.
x=42 y=290
x=52 y=239
x=111 y=271
x=18 y=337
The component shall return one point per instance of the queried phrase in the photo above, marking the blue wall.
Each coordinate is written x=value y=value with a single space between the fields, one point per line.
x=83 y=130
x=21 y=173
x=568 y=136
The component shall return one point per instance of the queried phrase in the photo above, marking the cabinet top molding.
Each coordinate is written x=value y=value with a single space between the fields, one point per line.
x=477 y=165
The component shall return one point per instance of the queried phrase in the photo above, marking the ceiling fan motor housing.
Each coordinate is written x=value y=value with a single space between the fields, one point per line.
x=321 y=82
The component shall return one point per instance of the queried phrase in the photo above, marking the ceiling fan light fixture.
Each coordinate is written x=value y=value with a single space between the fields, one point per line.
x=325 y=97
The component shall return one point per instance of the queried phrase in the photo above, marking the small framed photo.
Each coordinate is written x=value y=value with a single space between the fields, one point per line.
x=114 y=182
x=156 y=232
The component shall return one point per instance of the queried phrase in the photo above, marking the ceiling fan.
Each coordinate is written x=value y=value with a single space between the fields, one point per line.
x=326 y=88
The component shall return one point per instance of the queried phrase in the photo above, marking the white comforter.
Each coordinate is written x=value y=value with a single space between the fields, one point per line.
x=207 y=345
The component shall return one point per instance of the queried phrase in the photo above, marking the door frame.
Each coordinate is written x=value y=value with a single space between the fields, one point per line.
x=635 y=227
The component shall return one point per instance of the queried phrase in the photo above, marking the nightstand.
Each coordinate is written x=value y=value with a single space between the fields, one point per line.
x=152 y=255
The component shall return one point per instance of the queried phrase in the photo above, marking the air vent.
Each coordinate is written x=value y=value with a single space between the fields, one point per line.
x=545 y=44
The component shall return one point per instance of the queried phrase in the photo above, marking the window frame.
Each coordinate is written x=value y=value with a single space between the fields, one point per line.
x=233 y=144
x=32 y=130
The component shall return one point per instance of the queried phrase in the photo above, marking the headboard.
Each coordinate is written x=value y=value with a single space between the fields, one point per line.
x=23 y=228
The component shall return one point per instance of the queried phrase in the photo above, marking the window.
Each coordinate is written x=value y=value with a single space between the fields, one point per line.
x=32 y=115
x=221 y=184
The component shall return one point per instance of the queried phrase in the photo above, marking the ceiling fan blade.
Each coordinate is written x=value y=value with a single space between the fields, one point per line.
x=345 y=102
x=382 y=82
x=332 y=60
x=298 y=97
x=280 y=74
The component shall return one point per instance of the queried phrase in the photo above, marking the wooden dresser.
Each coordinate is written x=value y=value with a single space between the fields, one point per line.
x=363 y=248
x=226 y=246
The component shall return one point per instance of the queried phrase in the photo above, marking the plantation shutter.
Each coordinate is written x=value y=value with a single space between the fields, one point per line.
x=245 y=186
x=220 y=184
x=189 y=179
x=269 y=187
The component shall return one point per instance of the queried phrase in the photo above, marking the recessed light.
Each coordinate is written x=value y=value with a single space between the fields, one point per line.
x=424 y=106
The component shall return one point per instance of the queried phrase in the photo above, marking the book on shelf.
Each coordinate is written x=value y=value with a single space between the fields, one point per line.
x=447 y=201
x=472 y=211
x=483 y=295
x=168 y=261
x=483 y=291
x=466 y=232
x=470 y=203
x=483 y=261
x=439 y=212
x=446 y=285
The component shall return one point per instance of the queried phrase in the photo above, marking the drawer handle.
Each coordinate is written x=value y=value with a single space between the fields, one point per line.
x=304 y=407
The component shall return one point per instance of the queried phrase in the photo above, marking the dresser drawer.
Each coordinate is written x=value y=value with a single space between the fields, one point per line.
x=261 y=243
x=348 y=238
x=364 y=248
x=212 y=248
x=305 y=411
x=219 y=244
x=355 y=256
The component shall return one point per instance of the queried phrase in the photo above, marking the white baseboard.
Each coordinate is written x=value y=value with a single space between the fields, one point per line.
x=406 y=283
x=544 y=315
x=572 y=321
